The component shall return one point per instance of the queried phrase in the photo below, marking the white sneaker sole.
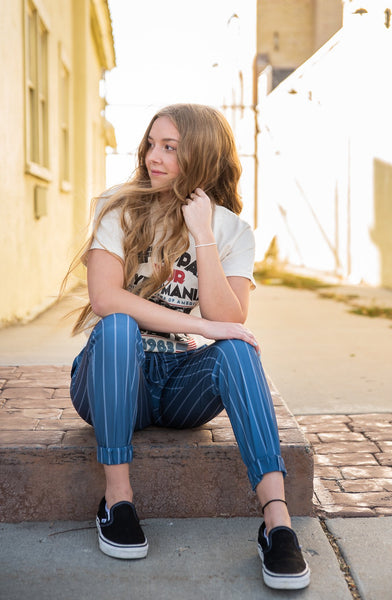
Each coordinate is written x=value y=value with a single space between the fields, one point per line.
x=284 y=582
x=120 y=550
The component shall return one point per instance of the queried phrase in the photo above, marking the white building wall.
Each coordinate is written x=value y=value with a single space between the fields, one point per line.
x=322 y=132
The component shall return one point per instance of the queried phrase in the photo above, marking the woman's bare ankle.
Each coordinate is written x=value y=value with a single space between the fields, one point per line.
x=270 y=492
x=118 y=487
x=276 y=515
x=114 y=496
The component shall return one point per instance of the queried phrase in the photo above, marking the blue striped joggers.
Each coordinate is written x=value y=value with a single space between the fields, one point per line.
x=118 y=388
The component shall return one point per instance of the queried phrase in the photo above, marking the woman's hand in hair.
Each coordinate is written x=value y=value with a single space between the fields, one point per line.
x=198 y=215
x=220 y=330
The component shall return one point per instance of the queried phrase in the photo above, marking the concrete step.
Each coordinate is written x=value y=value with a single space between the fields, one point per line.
x=48 y=469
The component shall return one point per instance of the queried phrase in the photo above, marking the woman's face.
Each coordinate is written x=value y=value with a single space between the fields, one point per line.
x=161 y=158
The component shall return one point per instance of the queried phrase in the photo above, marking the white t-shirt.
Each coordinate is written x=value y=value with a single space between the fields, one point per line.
x=236 y=248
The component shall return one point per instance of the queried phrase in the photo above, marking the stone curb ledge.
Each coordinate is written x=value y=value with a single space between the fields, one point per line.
x=49 y=471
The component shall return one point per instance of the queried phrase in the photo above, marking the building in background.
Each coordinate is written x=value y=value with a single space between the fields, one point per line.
x=53 y=54
x=291 y=31
x=325 y=153
x=235 y=78
x=265 y=41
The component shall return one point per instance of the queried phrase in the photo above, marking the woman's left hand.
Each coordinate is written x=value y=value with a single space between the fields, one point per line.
x=197 y=215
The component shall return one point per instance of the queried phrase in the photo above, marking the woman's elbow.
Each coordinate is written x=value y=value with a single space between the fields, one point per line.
x=100 y=305
x=238 y=316
x=242 y=317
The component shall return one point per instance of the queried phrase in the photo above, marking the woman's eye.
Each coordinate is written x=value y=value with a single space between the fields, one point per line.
x=170 y=148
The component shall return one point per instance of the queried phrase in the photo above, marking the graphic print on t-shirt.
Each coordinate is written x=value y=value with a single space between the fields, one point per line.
x=179 y=292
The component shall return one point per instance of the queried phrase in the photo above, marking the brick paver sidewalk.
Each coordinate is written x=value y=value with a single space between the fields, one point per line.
x=352 y=463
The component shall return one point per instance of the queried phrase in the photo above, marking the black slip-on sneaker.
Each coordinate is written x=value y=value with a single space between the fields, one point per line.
x=119 y=531
x=284 y=567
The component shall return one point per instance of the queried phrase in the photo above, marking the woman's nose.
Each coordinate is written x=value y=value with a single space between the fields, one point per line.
x=155 y=154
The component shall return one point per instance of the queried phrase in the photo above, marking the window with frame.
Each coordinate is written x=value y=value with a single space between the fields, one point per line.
x=64 y=110
x=36 y=61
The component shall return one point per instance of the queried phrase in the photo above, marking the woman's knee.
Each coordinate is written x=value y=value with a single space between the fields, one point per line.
x=118 y=322
x=117 y=329
x=235 y=350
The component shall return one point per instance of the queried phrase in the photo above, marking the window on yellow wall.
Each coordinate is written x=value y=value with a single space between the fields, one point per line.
x=37 y=109
x=64 y=110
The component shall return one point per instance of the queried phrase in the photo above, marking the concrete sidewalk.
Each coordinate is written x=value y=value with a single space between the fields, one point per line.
x=192 y=559
x=333 y=369
x=321 y=357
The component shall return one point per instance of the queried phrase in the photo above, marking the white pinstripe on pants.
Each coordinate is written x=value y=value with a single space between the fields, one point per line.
x=118 y=388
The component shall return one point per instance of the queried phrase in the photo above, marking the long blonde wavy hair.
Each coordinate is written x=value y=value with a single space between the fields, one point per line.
x=208 y=159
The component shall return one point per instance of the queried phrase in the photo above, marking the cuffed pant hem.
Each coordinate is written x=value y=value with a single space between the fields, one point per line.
x=262 y=466
x=114 y=456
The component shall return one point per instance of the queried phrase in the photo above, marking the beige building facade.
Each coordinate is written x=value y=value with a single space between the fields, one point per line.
x=54 y=54
x=290 y=31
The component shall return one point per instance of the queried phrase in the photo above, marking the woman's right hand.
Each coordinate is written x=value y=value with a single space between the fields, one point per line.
x=197 y=216
x=220 y=330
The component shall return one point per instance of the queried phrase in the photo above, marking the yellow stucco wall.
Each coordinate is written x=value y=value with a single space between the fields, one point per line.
x=35 y=253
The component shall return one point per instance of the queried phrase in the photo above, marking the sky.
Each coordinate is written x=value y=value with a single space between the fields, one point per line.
x=166 y=52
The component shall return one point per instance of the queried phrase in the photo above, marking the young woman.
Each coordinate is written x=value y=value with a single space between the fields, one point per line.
x=164 y=242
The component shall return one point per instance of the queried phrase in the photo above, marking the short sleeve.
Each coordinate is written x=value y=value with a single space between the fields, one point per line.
x=109 y=235
x=239 y=261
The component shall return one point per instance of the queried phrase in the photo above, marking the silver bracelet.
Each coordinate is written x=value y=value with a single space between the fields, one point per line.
x=200 y=245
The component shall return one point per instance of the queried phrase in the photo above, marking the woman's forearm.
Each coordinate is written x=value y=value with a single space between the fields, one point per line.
x=105 y=276
x=154 y=317
x=148 y=315
x=217 y=300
